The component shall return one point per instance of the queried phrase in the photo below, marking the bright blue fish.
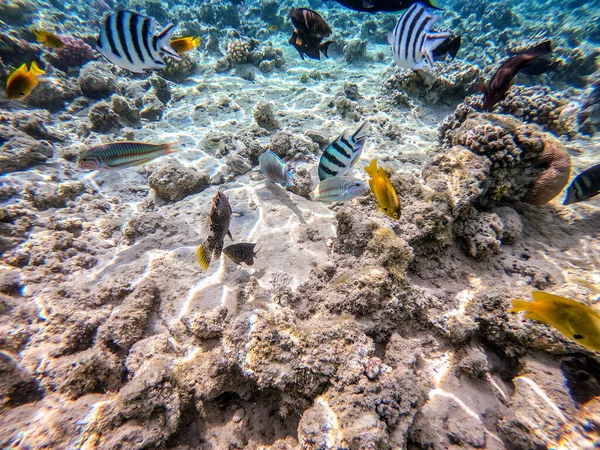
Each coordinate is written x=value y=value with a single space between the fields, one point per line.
x=273 y=168
x=338 y=189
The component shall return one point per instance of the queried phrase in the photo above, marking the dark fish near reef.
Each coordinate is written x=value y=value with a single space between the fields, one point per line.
x=585 y=186
x=540 y=66
x=118 y=155
x=218 y=228
x=50 y=40
x=342 y=154
x=373 y=6
x=129 y=40
x=450 y=46
x=274 y=169
x=338 y=189
x=502 y=80
x=412 y=40
x=241 y=253
x=310 y=30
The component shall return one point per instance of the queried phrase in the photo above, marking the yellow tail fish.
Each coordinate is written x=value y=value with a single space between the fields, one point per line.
x=184 y=44
x=573 y=319
x=23 y=81
x=383 y=190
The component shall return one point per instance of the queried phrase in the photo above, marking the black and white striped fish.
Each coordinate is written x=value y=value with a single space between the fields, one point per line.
x=585 y=186
x=129 y=40
x=342 y=154
x=412 y=40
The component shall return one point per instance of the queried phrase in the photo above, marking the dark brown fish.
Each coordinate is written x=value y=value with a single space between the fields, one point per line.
x=218 y=228
x=241 y=253
x=502 y=80
x=310 y=30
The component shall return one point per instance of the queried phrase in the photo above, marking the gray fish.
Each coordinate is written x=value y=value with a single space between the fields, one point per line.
x=342 y=154
x=129 y=40
x=338 y=189
x=412 y=40
x=241 y=253
x=274 y=170
x=585 y=186
x=218 y=228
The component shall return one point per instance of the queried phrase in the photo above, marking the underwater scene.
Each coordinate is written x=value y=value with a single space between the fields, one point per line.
x=300 y=224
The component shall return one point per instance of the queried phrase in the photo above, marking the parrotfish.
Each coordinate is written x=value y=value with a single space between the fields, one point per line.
x=341 y=155
x=502 y=80
x=118 y=155
x=274 y=169
x=218 y=227
x=310 y=29
x=585 y=186
x=23 y=81
x=573 y=319
x=373 y=6
x=50 y=40
x=338 y=189
x=241 y=253
x=383 y=190
x=412 y=39
x=184 y=44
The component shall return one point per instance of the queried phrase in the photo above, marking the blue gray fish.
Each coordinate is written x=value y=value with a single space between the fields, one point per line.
x=342 y=154
x=274 y=170
x=118 y=155
x=338 y=189
x=585 y=186
x=129 y=40
x=412 y=40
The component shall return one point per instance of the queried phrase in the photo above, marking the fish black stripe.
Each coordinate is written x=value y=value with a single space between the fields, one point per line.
x=420 y=35
x=111 y=39
x=121 y=17
x=327 y=170
x=332 y=159
x=135 y=38
x=404 y=19
x=411 y=29
x=340 y=150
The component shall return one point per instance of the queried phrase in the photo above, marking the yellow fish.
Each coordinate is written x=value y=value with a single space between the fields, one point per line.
x=273 y=28
x=383 y=190
x=185 y=44
x=23 y=81
x=573 y=319
x=50 y=40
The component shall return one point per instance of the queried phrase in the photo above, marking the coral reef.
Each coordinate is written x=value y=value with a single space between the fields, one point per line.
x=174 y=181
x=19 y=151
x=264 y=116
x=96 y=81
x=74 y=54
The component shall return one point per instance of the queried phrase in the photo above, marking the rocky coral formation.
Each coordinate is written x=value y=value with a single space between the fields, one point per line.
x=173 y=181
x=96 y=81
x=264 y=116
x=74 y=54
x=19 y=151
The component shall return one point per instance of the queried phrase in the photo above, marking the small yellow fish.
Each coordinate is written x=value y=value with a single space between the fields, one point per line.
x=273 y=28
x=50 y=40
x=383 y=190
x=573 y=319
x=185 y=44
x=23 y=81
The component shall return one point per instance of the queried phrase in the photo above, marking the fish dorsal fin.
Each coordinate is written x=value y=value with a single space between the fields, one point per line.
x=546 y=297
x=371 y=169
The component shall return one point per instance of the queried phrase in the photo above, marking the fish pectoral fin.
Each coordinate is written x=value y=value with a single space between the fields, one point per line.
x=230 y=235
x=203 y=256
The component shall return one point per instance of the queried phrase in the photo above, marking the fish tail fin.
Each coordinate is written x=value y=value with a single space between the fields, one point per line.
x=324 y=47
x=196 y=41
x=163 y=40
x=204 y=256
x=434 y=4
x=543 y=48
x=171 y=147
x=35 y=69
x=519 y=305
x=361 y=133
x=39 y=36
x=371 y=169
x=454 y=47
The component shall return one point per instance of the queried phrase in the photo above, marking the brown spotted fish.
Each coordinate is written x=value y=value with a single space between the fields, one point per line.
x=218 y=228
x=241 y=253
x=502 y=80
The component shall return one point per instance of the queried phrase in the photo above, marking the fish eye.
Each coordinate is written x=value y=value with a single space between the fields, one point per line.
x=385 y=209
x=577 y=336
x=357 y=184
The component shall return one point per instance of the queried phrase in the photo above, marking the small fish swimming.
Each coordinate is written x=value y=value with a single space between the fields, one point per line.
x=310 y=30
x=373 y=6
x=118 y=155
x=50 y=40
x=585 y=186
x=274 y=169
x=450 y=46
x=23 y=81
x=502 y=80
x=412 y=40
x=341 y=155
x=383 y=190
x=338 y=189
x=241 y=253
x=218 y=227
x=184 y=44
x=129 y=41
x=573 y=319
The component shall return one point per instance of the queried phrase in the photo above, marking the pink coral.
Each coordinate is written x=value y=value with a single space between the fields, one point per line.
x=74 y=54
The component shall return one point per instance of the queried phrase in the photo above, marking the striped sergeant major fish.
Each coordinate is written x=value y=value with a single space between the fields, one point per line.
x=129 y=41
x=413 y=43
x=342 y=154
x=585 y=186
